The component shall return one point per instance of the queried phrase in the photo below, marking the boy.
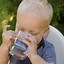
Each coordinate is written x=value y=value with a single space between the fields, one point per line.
x=33 y=18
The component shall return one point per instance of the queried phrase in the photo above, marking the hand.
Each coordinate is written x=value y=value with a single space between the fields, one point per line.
x=31 y=42
x=7 y=36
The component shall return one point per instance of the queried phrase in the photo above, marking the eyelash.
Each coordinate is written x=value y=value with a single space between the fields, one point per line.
x=33 y=34
x=23 y=31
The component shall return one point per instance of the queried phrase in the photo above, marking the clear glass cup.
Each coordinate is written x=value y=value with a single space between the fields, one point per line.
x=18 y=49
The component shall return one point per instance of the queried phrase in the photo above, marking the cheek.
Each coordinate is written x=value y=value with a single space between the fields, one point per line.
x=38 y=37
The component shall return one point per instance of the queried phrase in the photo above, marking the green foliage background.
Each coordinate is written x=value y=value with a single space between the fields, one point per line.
x=8 y=10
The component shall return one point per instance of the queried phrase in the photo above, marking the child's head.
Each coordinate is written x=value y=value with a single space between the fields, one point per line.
x=34 y=17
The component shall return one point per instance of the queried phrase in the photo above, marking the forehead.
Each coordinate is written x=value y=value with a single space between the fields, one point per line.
x=29 y=21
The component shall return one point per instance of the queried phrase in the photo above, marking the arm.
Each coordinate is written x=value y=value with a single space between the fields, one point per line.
x=4 y=54
x=7 y=38
x=38 y=60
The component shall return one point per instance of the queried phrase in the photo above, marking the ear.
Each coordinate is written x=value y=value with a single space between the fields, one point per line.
x=46 y=31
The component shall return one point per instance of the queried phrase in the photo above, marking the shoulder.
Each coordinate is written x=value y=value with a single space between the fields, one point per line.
x=49 y=52
x=49 y=48
x=48 y=44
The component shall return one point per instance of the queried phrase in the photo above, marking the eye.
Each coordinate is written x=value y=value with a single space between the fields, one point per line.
x=34 y=33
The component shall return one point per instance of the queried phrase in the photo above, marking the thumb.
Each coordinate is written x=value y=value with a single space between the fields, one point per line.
x=5 y=28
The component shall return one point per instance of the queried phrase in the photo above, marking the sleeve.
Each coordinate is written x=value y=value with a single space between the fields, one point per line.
x=49 y=53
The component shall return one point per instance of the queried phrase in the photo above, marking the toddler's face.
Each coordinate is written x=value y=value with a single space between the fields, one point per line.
x=30 y=24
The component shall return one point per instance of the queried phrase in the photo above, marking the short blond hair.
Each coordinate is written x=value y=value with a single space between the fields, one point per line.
x=39 y=8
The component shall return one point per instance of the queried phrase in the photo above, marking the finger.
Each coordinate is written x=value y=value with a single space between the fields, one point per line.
x=25 y=42
x=10 y=32
x=5 y=28
x=31 y=41
x=12 y=35
x=33 y=38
